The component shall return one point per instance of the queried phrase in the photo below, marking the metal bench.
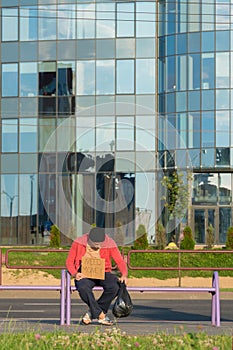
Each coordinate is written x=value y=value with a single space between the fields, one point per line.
x=61 y=288
x=214 y=290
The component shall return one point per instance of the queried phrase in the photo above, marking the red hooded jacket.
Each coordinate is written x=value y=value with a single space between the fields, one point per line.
x=108 y=250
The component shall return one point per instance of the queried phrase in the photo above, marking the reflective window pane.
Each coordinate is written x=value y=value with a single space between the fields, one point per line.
x=194 y=79
x=222 y=40
x=85 y=134
x=28 y=198
x=9 y=135
x=181 y=75
x=208 y=158
x=222 y=70
x=145 y=47
x=9 y=24
x=207 y=15
x=222 y=157
x=145 y=19
x=125 y=48
x=105 y=77
x=9 y=209
x=207 y=70
x=105 y=133
x=46 y=129
x=194 y=130
x=47 y=22
x=208 y=99
x=125 y=161
x=9 y=163
x=47 y=78
x=28 y=135
x=28 y=162
x=193 y=16
x=222 y=15
x=28 y=107
x=181 y=42
x=66 y=88
x=9 y=75
x=146 y=210
x=105 y=48
x=9 y=195
x=105 y=22
x=125 y=76
x=28 y=23
x=125 y=133
x=65 y=134
x=208 y=133
x=125 y=19
x=225 y=190
x=170 y=73
x=194 y=42
x=145 y=75
x=145 y=133
x=207 y=41
x=222 y=99
x=66 y=21
x=85 y=21
x=28 y=79
x=85 y=83
x=225 y=221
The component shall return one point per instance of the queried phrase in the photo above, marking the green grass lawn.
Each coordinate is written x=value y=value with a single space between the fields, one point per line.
x=137 y=260
x=113 y=339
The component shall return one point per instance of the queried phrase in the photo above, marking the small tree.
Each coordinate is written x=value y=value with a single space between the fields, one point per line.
x=141 y=241
x=55 y=237
x=187 y=242
x=210 y=236
x=161 y=237
x=229 y=240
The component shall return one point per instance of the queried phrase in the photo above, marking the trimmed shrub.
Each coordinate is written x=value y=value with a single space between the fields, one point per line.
x=229 y=240
x=161 y=237
x=55 y=237
x=187 y=242
x=210 y=237
x=142 y=241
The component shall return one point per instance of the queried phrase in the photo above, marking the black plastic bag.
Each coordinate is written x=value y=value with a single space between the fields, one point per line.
x=123 y=305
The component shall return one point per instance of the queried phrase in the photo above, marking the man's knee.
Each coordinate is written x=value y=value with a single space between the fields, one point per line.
x=112 y=287
x=82 y=285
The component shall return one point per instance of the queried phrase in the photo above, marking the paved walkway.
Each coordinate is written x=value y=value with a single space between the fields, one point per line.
x=153 y=312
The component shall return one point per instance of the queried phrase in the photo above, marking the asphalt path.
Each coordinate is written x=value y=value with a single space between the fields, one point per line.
x=150 y=315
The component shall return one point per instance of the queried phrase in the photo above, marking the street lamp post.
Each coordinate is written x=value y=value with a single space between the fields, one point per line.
x=11 y=198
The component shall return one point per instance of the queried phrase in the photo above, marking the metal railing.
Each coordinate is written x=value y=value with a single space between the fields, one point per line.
x=179 y=267
x=61 y=287
x=65 y=288
x=179 y=252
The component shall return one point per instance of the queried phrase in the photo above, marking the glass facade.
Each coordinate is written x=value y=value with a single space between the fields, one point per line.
x=103 y=104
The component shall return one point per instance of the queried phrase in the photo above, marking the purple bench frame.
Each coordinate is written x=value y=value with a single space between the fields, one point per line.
x=214 y=290
x=61 y=288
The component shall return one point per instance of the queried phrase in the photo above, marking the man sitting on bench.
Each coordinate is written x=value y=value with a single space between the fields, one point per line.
x=96 y=245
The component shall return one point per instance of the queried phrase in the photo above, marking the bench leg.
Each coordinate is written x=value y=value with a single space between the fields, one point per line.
x=62 y=298
x=216 y=301
x=217 y=296
x=68 y=299
x=213 y=307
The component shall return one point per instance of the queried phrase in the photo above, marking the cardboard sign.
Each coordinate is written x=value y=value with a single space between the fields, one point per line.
x=93 y=268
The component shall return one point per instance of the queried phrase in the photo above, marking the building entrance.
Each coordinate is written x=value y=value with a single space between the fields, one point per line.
x=219 y=217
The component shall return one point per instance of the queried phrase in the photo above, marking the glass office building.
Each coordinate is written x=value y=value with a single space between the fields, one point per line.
x=101 y=102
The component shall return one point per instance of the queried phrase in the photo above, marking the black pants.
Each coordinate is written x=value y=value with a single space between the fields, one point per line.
x=110 y=289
